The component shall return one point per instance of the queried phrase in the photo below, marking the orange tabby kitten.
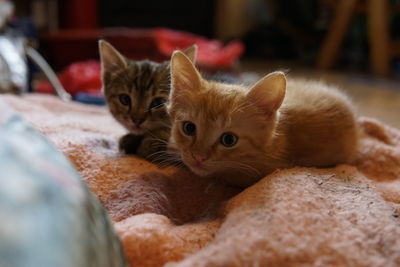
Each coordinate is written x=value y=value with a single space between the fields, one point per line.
x=242 y=133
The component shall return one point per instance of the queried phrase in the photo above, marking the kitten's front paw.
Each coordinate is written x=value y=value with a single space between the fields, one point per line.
x=130 y=143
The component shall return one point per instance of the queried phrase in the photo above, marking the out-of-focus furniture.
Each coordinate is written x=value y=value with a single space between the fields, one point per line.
x=381 y=47
x=231 y=19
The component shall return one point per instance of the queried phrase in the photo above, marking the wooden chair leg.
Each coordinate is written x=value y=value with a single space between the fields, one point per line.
x=337 y=31
x=378 y=34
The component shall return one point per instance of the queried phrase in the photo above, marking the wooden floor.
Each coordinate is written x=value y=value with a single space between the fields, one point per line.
x=373 y=97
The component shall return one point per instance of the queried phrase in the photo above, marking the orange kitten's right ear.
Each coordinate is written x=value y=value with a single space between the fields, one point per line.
x=268 y=93
x=185 y=79
x=110 y=57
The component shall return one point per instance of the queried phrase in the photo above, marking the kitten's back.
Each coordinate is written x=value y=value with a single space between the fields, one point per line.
x=319 y=124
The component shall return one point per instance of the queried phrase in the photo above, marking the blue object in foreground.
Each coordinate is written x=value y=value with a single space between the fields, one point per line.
x=90 y=99
x=48 y=216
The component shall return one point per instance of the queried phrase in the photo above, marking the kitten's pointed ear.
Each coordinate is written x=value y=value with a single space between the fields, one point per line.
x=269 y=92
x=185 y=79
x=110 y=58
x=191 y=52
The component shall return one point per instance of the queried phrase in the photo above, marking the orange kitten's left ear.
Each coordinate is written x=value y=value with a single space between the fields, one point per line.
x=191 y=52
x=185 y=79
x=269 y=92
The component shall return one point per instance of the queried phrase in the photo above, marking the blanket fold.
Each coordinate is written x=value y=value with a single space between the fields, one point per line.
x=343 y=216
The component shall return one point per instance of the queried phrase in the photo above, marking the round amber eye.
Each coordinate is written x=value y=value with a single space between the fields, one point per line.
x=157 y=102
x=124 y=99
x=189 y=128
x=228 y=139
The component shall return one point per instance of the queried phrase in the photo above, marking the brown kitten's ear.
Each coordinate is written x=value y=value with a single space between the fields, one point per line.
x=185 y=79
x=191 y=52
x=269 y=92
x=110 y=58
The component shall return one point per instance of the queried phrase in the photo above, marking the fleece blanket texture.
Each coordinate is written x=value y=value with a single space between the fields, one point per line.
x=343 y=216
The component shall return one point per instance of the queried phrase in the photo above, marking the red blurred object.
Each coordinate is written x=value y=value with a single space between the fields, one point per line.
x=157 y=44
x=77 y=78
x=78 y=14
x=69 y=46
x=210 y=52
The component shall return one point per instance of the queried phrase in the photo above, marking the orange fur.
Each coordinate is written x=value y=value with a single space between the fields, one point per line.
x=279 y=124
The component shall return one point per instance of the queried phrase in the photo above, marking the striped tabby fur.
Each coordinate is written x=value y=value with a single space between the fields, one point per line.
x=135 y=92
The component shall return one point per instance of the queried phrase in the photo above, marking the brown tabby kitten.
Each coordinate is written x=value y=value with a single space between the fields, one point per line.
x=242 y=133
x=135 y=92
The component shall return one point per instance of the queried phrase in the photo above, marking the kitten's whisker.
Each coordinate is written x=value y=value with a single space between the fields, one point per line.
x=159 y=142
x=167 y=162
x=161 y=154
x=155 y=138
x=157 y=153
x=241 y=166
x=156 y=107
x=165 y=124
x=165 y=158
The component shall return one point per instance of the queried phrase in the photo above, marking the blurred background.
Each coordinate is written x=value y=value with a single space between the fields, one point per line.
x=349 y=43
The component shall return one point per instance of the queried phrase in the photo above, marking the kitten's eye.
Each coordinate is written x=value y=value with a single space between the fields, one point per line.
x=157 y=102
x=189 y=128
x=228 y=139
x=124 y=99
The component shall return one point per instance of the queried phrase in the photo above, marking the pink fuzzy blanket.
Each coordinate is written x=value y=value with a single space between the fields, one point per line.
x=344 y=216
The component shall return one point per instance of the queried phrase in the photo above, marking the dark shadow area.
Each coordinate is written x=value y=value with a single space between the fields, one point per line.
x=182 y=197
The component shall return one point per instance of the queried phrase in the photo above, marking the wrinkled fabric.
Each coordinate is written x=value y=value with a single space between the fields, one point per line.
x=343 y=216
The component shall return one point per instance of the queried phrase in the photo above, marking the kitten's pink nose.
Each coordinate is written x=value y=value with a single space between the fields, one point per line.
x=200 y=157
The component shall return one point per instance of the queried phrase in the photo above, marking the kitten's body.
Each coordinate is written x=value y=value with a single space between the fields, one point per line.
x=316 y=125
x=135 y=92
x=312 y=125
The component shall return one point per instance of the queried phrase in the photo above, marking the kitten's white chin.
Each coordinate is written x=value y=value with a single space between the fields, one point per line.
x=200 y=171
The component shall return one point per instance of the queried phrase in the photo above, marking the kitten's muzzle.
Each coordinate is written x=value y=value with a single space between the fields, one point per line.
x=138 y=121
x=200 y=158
x=195 y=162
